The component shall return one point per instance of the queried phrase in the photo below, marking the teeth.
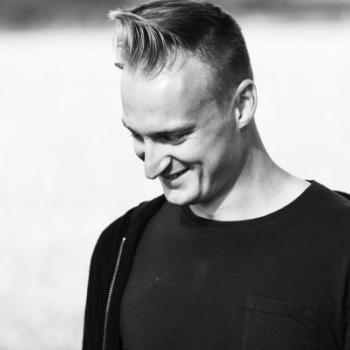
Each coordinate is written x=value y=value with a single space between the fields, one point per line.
x=174 y=176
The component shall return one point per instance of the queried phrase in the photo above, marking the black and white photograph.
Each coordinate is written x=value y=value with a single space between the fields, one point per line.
x=175 y=175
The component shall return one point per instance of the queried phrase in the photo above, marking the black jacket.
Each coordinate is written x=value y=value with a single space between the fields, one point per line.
x=111 y=263
x=109 y=270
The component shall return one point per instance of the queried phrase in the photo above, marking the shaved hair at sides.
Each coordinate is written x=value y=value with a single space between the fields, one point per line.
x=149 y=38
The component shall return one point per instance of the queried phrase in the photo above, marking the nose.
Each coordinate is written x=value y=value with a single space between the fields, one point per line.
x=155 y=158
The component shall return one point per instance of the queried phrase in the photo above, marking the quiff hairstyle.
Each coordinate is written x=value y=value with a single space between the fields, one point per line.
x=149 y=37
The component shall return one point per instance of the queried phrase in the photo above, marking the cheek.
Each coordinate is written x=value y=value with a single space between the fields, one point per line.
x=204 y=151
x=187 y=153
x=217 y=160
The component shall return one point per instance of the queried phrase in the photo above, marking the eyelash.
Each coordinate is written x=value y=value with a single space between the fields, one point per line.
x=177 y=139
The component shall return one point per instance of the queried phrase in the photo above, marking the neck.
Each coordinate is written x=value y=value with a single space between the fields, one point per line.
x=261 y=188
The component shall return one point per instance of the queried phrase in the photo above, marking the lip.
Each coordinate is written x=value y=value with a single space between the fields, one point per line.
x=174 y=176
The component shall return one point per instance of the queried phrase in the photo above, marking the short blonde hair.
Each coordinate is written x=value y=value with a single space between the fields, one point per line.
x=148 y=38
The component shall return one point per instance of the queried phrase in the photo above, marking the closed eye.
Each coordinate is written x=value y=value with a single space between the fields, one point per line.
x=174 y=139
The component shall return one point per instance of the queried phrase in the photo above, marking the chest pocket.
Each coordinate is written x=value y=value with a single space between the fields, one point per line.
x=272 y=324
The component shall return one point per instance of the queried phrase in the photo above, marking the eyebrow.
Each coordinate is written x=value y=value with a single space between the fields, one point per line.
x=166 y=132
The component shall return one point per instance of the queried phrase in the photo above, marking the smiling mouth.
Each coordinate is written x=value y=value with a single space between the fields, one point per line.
x=174 y=175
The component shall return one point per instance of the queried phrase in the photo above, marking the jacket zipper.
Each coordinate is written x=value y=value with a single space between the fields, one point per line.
x=111 y=287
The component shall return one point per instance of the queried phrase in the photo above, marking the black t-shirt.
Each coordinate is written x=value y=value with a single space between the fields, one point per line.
x=280 y=281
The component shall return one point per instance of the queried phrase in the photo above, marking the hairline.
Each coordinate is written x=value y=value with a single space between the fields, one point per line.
x=170 y=65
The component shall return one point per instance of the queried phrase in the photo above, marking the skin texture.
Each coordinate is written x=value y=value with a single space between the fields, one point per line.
x=177 y=126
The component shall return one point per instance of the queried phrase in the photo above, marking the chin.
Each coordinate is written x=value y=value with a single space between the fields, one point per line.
x=179 y=197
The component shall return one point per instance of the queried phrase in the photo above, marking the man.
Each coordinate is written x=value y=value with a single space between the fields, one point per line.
x=238 y=253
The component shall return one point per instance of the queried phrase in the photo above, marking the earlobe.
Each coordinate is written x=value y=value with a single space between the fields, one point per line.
x=245 y=102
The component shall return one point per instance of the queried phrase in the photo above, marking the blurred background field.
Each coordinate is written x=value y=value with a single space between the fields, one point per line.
x=26 y=13
x=67 y=165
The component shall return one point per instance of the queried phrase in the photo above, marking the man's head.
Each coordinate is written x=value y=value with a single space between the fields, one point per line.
x=187 y=95
x=151 y=36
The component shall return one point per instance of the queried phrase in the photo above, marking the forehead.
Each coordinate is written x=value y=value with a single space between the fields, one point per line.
x=175 y=93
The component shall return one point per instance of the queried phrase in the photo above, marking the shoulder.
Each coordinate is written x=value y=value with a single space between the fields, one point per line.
x=344 y=195
x=330 y=216
x=114 y=232
x=332 y=203
x=332 y=207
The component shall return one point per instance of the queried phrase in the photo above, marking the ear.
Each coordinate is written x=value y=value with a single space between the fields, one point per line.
x=244 y=103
